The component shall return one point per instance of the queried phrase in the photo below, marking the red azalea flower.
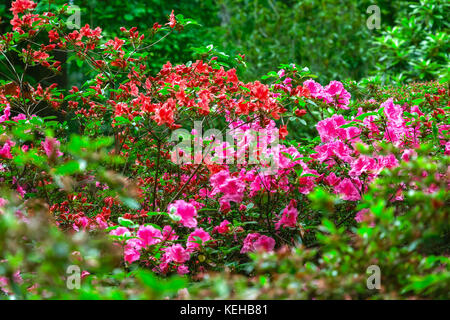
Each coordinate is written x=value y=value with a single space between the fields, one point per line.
x=283 y=132
x=20 y=6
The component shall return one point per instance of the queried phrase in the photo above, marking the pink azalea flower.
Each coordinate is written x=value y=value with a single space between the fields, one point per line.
x=389 y=161
x=307 y=184
x=416 y=110
x=315 y=89
x=131 y=255
x=288 y=216
x=132 y=250
x=192 y=240
x=51 y=146
x=3 y=202
x=169 y=234
x=332 y=179
x=232 y=188
x=183 y=269
x=6 y=114
x=392 y=111
x=186 y=211
x=396 y=130
x=248 y=242
x=447 y=148
x=20 y=190
x=5 y=151
x=287 y=81
x=408 y=154
x=329 y=150
x=348 y=190
x=257 y=242
x=223 y=227
x=176 y=253
x=17 y=277
x=80 y=222
x=120 y=231
x=102 y=224
x=264 y=243
x=330 y=129
x=4 y=285
x=364 y=215
x=363 y=164
x=341 y=97
x=20 y=117
x=149 y=235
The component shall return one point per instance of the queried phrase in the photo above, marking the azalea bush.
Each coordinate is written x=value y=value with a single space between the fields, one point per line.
x=408 y=242
x=152 y=183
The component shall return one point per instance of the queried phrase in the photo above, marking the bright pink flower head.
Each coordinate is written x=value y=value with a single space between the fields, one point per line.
x=288 y=216
x=330 y=129
x=197 y=238
x=6 y=114
x=3 y=202
x=20 y=117
x=5 y=151
x=389 y=161
x=257 y=242
x=131 y=255
x=264 y=243
x=102 y=224
x=347 y=188
x=149 y=235
x=119 y=231
x=248 y=242
x=132 y=250
x=363 y=164
x=169 y=234
x=223 y=227
x=340 y=96
x=20 y=190
x=364 y=215
x=331 y=149
x=408 y=154
x=186 y=211
x=177 y=254
x=392 y=111
x=332 y=179
x=314 y=88
x=51 y=146
x=183 y=269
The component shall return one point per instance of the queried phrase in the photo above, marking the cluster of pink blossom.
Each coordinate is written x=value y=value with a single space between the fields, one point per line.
x=257 y=242
x=334 y=93
x=146 y=241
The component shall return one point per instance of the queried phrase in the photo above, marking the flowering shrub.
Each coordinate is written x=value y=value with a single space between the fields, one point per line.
x=396 y=238
x=139 y=170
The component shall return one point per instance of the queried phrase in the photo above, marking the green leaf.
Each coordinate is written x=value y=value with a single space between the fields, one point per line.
x=126 y=223
x=364 y=115
x=68 y=168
